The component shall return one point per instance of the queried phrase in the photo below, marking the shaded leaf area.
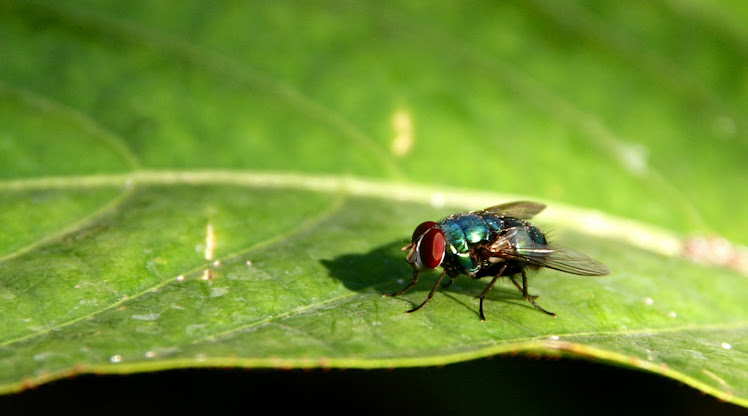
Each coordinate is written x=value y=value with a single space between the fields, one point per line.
x=647 y=96
x=305 y=290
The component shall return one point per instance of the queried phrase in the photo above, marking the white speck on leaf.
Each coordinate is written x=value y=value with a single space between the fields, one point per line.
x=151 y=329
x=43 y=355
x=726 y=346
x=195 y=329
x=115 y=359
x=218 y=291
x=146 y=317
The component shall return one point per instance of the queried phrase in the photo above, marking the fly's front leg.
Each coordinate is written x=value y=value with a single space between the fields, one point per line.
x=406 y=288
x=431 y=294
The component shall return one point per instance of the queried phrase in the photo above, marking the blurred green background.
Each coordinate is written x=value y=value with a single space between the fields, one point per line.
x=636 y=108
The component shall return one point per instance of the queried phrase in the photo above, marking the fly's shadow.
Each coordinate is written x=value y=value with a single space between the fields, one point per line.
x=384 y=270
x=377 y=270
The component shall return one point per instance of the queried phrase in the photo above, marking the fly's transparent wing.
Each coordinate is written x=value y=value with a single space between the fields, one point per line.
x=523 y=210
x=563 y=259
x=542 y=255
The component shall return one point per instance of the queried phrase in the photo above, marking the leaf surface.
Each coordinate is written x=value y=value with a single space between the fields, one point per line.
x=231 y=184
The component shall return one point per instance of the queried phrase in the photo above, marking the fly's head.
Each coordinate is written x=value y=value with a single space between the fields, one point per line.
x=426 y=248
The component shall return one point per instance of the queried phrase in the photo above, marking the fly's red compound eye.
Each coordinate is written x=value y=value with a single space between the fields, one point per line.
x=431 y=248
x=421 y=229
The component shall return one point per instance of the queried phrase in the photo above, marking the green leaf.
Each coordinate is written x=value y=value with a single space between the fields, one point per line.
x=231 y=184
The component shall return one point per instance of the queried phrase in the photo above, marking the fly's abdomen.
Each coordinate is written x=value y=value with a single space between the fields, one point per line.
x=495 y=223
x=528 y=237
x=526 y=234
x=536 y=235
x=532 y=233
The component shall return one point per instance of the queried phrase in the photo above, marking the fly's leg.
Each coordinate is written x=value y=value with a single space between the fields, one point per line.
x=520 y=288
x=431 y=294
x=528 y=297
x=485 y=291
x=405 y=289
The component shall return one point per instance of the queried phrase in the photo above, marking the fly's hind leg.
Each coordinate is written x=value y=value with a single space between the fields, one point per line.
x=527 y=296
x=520 y=288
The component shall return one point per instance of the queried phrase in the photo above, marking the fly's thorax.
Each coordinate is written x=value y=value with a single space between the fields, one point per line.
x=454 y=236
x=463 y=232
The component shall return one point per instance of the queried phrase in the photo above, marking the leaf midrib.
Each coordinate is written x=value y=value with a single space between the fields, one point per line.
x=586 y=221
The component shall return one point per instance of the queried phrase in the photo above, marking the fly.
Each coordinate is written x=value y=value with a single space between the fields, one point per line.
x=496 y=241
